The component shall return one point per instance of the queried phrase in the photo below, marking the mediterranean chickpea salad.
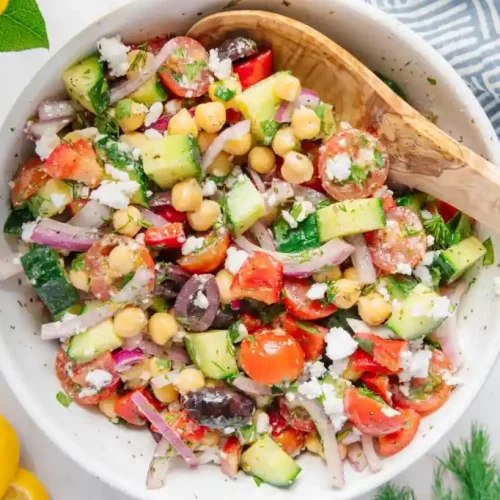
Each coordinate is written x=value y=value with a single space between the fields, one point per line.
x=223 y=265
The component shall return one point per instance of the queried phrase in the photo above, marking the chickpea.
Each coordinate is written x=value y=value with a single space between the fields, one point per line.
x=221 y=166
x=224 y=281
x=187 y=196
x=166 y=394
x=210 y=382
x=211 y=438
x=162 y=327
x=373 y=309
x=313 y=444
x=305 y=123
x=137 y=376
x=130 y=321
x=240 y=146
x=348 y=293
x=205 y=139
x=262 y=159
x=333 y=273
x=107 y=406
x=141 y=61
x=205 y=217
x=182 y=123
x=80 y=279
x=287 y=87
x=126 y=221
x=121 y=260
x=210 y=116
x=351 y=274
x=190 y=379
x=297 y=168
x=284 y=141
x=134 y=139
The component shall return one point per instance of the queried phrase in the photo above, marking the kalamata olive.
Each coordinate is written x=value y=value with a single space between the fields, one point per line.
x=237 y=48
x=219 y=407
x=170 y=279
x=225 y=317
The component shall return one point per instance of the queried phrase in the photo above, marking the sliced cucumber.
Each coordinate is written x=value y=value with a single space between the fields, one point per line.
x=413 y=318
x=172 y=159
x=15 y=220
x=44 y=269
x=244 y=205
x=303 y=237
x=150 y=92
x=213 y=353
x=459 y=258
x=86 y=84
x=266 y=461
x=95 y=341
x=51 y=199
x=350 y=217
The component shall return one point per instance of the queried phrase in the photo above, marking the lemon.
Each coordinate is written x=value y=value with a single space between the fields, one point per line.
x=3 y=6
x=26 y=486
x=9 y=452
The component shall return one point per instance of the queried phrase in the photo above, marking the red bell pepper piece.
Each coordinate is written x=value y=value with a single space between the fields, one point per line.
x=311 y=337
x=362 y=362
x=170 y=214
x=255 y=69
x=127 y=410
x=170 y=236
x=379 y=384
x=385 y=352
x=230 y=457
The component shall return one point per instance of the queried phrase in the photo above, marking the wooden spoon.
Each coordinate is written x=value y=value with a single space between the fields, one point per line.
x=421 y=155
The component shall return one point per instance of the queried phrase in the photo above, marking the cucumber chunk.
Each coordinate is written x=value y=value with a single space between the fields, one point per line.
x=15 y=220
x=303 y=237
x=172 y=159
x=95 y=341
x=51 y=199
x=267 y=461
x=459 y=258
x=350 y=217
x=150 y=92
x=243 y=206
x=86 y=84
x=44 y=269
x=213 y=353
x=413 y=319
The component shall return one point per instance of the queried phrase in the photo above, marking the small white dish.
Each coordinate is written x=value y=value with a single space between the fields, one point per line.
x=120 y=456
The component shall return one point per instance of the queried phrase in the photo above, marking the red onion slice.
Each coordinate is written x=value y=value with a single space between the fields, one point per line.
x=161 y=199
x=125 y=359
x=352 y=437
x=93 y=214
x=158 y=467
x=372 y=458
x=278 y=193
x=309 y=194
x=155 y=219
x=249 y=386
x=64 y=236
x=362 y=260
x=178 y=355
x=356 y=457
x=35 y=130
x=213 y=151
x=263 y=235
x=50 y=110
x=306 y=98
x=259 y=183
x=161 y=125
x=332 y=253
x=11 y=266
x=132 y=342
x=164 y=429
x=285 y=112
x=358 y=326
x=126 y=87
x=329 y=439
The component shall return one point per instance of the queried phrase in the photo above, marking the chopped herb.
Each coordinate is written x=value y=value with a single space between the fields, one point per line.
x=489 y=256
x=140 y=59
x=269 y=129
x=257 y=481
x=64 y=399
x=276 y=390
x=331 y=292
x=369 y=288
x=409 y=231
x=192 y=70
x=366 y=345
x=358 y=175
x=234 y=333
x=293 y=387
x=432 y=81
x=251 y=339
x=393 y=492
x=224 y=94
x=369 y=394
x=379 y=159
x=107 y=125
x=343 y=434
x=435 y=276
x=230 y=378
x=78 y=263
x=179 y=53
x=307 y=327
x=320 y=110
x=164 y=364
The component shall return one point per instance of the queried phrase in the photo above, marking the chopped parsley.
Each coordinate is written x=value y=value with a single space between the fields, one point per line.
x=432 y=81
x=358 y=175
x=64 y=399
x=192 y=70
x=269 y=129
x=78 y=263
x=140 y=59
x=379 y=159
x=489 y=256
x=257 y=480
x=224 y=94
x=164 y=364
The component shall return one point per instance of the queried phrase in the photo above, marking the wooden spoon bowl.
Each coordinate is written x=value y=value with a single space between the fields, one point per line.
x=421 y=155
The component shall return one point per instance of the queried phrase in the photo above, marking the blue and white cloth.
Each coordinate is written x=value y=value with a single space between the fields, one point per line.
x=466 y=33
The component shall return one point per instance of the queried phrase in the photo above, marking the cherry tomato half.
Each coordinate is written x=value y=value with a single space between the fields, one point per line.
x=169 y=236
x=126 y=409
x=361 y=362
x=271 y=357
x=260 y=278
x=230 y=457
x=290 y=440
x=296 y=302
x=393 y=443
x=185 y=72
x=402 y=242
x=311 y=337
x=370 y=414
x=363 y=151
x=379 y=384
x=385 y=352
x=28 y=180
x=208 y=258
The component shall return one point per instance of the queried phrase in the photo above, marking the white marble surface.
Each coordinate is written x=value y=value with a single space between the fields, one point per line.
x=63 y=477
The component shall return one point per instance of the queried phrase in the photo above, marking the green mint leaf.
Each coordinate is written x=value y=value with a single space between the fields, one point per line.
x=64 y=399
x=489 y=256
x=164 y=364
x=224 y=94
x=22 y=27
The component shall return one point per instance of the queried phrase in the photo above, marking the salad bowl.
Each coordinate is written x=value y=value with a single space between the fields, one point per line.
x=120 y=456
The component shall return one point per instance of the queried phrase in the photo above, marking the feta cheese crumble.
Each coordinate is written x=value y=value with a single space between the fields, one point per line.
x=114 y=52
x=47 y=143
x=311 y=389
x=334 y=407
x=496 y=283
x=317 y=291
x=338 y=168
x=423 y=274
x=316 y=369
x=152 y=134
x=58 y=200
x=426 y=214
x=450 y=379
x=414 y=365
x=115 y=194
x=209 y=188
x=403 y=268
x=235 y=259
x=173 y=106
x=430 y=240
x=221 y=69
x=99 y=379
x=192 y=244
x=304 y=208
x=262 y=424
x=390 y=412
x=154 y=113
x=117 y=175
x=440 y=308
x=27 y=230
x=428 y=258
x=287 y=217
x=201 y=300
x=339 y=344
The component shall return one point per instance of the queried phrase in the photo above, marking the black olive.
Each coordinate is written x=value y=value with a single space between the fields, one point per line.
x=237 y=48
x=219 y=407
x=225 y=317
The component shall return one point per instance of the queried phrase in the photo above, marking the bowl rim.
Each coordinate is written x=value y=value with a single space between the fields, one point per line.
x=471 y=389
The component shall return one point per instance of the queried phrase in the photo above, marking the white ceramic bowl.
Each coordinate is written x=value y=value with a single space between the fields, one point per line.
x=120 y=456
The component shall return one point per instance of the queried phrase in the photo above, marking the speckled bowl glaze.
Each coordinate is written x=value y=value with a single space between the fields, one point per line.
x=120 y=456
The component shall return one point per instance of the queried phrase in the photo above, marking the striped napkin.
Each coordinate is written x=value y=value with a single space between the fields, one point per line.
x=466 y=33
